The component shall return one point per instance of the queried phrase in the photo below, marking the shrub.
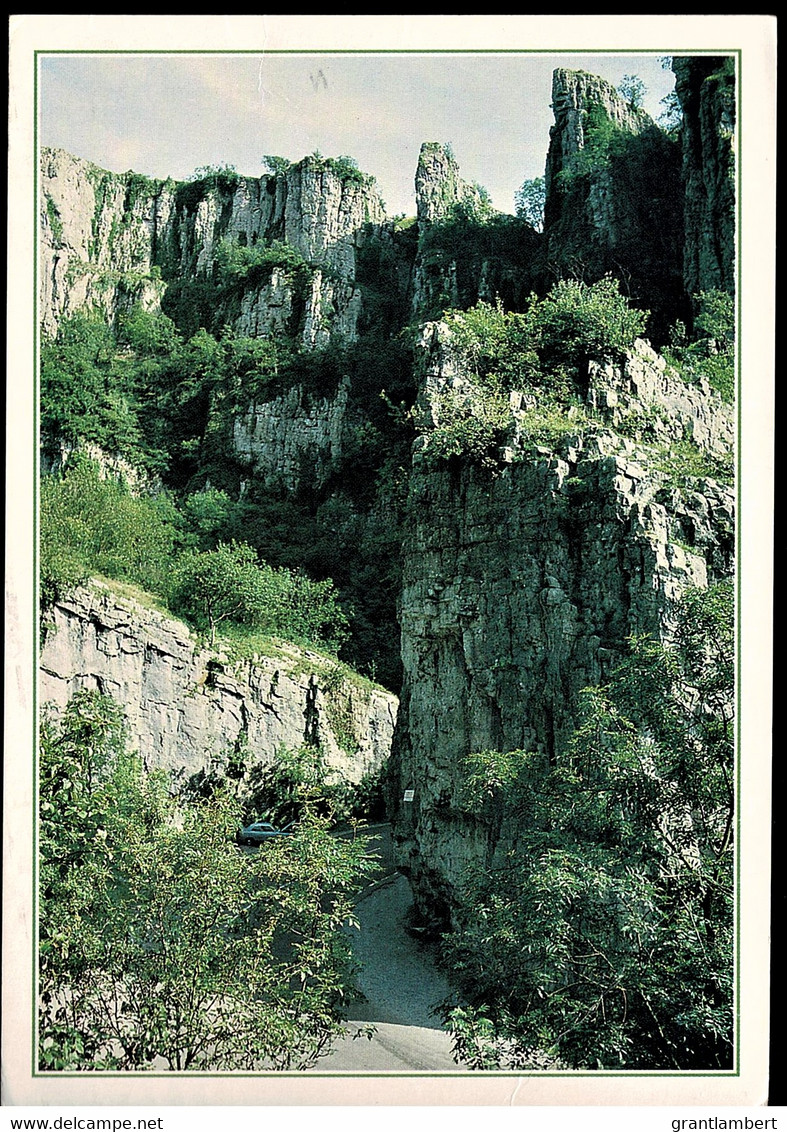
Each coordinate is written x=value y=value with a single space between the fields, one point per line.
x=470 y=427
x=91 y=523
x=230 y=584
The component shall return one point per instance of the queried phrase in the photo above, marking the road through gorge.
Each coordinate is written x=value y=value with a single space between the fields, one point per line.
x=400 y=983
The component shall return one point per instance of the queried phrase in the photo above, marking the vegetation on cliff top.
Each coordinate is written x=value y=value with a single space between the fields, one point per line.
x=91 y=523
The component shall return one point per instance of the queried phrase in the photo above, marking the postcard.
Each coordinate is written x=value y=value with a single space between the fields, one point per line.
x=389 y=570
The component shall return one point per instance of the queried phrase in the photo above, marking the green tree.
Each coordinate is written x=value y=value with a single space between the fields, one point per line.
x=161 y=941
x=225 y=584
x=83 y=395
x=230 y=585
x=715 y=318
x=711 y=352
x=633 y=89
x=276 y=165
x=671 y=116
x=606 y=941
x=529 y=201
x=92 y=523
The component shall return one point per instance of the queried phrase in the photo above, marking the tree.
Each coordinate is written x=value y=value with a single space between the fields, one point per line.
x=671 y=115
x=276 y=165
x=530 y=200
x=225 y=584
x=161 y=940
x=606 y=940
x=92 y=523
x=633 y=89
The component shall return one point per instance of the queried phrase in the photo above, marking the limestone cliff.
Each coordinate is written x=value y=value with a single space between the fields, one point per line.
x=98 y=235
x=522 y=581
x=293 y=440
x=466 y=251
x=109 y=239
x=614 y=196
x=705 y=87
x=522 y=584
x=191 y=709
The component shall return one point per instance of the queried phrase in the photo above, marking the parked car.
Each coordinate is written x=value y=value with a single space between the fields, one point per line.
x=260 y=831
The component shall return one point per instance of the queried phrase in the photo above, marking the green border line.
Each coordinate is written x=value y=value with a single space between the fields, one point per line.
x=736 y=53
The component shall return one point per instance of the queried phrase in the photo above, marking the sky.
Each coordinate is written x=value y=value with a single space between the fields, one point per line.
x=166 y=115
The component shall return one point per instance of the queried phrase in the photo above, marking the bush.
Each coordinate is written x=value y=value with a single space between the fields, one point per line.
x=545 y=350
x=711 y=353
x=91 y=523
x=573 y=323
x=577 y=321
x=230 y=584
x=471 y=427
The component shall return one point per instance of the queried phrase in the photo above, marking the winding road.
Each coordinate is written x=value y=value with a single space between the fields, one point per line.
x=400 y=984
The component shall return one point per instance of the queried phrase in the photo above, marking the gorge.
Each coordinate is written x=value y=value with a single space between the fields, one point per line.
x=510 y=452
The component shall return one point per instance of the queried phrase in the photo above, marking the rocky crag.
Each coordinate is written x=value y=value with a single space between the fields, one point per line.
x=705 y=87
x=110 y=240
x=192 y=710
x=522 y=583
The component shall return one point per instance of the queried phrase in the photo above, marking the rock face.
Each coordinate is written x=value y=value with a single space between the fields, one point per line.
x=614 y=196
x=190 y=709
x=111 y=239
x=705 y=87
x=466 y=251
x=521 y=587
x=98 y=238
x=293 y=440
x=438 y=186
x=522 y=582
x=573 y=95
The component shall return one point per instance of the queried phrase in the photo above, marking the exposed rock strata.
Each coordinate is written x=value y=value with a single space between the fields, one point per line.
x=521 y=588
x=109 y=239
x=705 y=87
x=190 y=708
x=293 y=439
x=614 y=197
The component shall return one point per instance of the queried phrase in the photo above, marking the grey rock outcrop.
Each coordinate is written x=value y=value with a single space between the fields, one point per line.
x=521 y=586
x=466 y=251
x=705 y=87
x=614 y=195
x=189 y=708
x=110 y=240
x=293 y=439
x=98 y=238
x=573 y=94
x=438 y=186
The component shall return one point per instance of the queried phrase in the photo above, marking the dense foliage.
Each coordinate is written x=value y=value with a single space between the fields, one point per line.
x=162 y=944
x=180 y=398
x=543 y=351
x=529 y=201
x=711 y=352
x=230 y=584
x=606 y=940
x=92 y=523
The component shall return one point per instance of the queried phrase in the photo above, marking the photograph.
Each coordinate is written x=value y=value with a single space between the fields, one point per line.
x=391 y=431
